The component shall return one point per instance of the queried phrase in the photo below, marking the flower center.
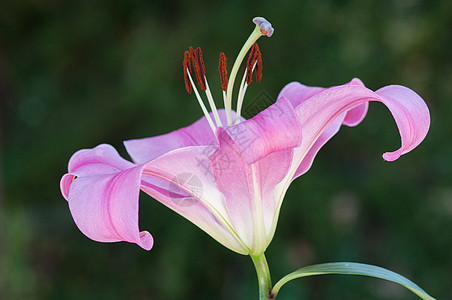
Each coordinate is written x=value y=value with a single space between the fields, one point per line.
x=253 y=64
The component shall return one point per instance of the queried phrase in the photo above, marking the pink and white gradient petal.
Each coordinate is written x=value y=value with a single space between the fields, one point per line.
x=298 y=93
x=322 y=115
x=208 y=210
x=103 y=198
x=408 y=109
x=273 y=129
x=248 y=189
x=411 y=115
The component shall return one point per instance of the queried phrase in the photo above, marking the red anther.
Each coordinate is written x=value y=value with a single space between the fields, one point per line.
x=223 y=72
x=201 y=61
x=198 y=65
x=258 y=69
x=192 y=51
x=187 y=68
x=252 y=58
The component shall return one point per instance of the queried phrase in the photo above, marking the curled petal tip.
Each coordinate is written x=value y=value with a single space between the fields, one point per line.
x=411 y=115
x=65 y=183
x=356 y=81
x=392 y=156
x=265 y=26
x=146 y=240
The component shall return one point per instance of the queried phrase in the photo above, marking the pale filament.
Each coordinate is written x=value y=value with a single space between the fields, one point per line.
x=241 y=96
x=228 y=116
x=201 y=103
x=212 y=104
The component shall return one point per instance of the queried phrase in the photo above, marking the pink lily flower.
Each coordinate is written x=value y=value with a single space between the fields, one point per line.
x=225 y=174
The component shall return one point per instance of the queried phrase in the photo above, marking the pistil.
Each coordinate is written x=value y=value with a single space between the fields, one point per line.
x=263 y=27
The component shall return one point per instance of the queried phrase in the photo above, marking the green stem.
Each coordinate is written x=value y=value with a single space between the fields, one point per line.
x=263 y=277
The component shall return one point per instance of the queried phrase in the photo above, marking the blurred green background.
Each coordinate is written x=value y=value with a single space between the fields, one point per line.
x=74 y=74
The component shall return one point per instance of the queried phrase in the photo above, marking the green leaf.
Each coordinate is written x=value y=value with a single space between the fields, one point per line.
x=349 y=268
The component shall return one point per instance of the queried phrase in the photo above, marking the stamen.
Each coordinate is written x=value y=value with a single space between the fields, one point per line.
x=223 y=72
x=252 y=58
x=187 y=69
x=198 y=65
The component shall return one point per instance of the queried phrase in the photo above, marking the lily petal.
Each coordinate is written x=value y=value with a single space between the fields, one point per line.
x=297 y=93
x=65 y=184
x=244 y=169
x=196 y=134
x=411 y=115
x=275 y=128
x=187 y=205
x=319 y=112
x=103 y=198
x=322 y=115
x=188 y=187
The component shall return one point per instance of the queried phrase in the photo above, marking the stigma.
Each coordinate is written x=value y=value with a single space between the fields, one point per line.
x=194 y=68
